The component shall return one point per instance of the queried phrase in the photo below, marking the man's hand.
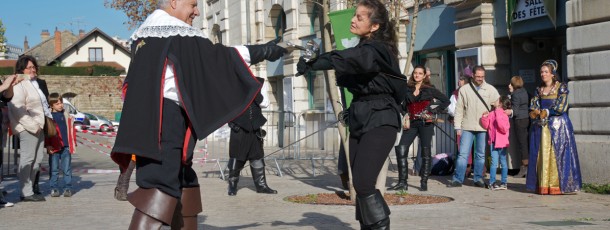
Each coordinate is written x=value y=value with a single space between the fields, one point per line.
x=273 y=51
x=458 y=132
x=508 y=112
x=269 y=51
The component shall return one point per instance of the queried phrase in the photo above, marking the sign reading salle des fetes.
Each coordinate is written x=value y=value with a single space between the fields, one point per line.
x=528 y=9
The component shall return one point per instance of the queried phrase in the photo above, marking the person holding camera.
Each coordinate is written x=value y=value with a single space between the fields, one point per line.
x=246 y=144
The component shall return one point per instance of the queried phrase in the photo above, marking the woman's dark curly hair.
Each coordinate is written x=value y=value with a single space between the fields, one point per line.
x=22 y=63
x=378 y=14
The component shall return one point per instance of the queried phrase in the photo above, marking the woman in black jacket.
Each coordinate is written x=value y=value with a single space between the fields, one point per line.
x=417 y=103
x=371 y=73
x=521 y=122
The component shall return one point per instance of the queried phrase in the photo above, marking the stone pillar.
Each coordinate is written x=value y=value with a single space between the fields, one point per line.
x=474 y=20
x=589 y=73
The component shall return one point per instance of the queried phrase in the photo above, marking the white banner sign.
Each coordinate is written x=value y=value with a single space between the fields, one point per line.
x=528 y=9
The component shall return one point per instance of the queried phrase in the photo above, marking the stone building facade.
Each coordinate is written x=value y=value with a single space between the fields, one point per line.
x=99 y=95
x=589 y=73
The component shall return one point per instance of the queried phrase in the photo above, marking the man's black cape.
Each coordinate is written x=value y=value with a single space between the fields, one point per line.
x=214 y=85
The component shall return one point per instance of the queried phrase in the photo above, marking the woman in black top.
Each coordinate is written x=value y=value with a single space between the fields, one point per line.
x=371 y=73
x=521 y=122
x=421 y=94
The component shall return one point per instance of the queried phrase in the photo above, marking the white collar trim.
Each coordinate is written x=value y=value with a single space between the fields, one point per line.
x=161 y=25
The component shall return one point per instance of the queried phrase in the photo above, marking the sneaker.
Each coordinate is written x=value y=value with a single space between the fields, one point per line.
x=33 y=198
x=54 y=193
x=4 y=203
x=502 y=186
x=480 y=184
x=454 y=184
x=494 y=186
x=67 y=193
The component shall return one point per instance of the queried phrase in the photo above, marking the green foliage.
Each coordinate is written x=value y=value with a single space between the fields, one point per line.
x=2 y=38
x=596 y=188
x=402 y=192
x=7 y=70
x=105 y=71
x=95 y=70
x=57 y=70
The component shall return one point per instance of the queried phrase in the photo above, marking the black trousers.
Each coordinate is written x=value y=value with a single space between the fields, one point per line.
x=367 y=154
x=522 y=137
x=170 y=175
x=421 y=129
x=245 y=145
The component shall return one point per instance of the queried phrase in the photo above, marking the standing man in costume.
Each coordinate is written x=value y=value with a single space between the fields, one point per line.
x=246 y=143
x=181 y=87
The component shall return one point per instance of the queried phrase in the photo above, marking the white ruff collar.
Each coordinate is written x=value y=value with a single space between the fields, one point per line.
x=161 y=25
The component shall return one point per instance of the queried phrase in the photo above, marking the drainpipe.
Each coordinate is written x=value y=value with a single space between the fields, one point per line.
x=248 y=33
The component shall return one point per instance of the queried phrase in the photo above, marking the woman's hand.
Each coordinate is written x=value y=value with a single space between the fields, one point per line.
x=486 y=113
x=302 y=67
x=8 y=82
x=534 y=114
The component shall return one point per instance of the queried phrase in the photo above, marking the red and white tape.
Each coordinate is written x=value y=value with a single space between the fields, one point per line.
x=94 y=142
x=94 y=148
x=108 y=134
x=89 y=171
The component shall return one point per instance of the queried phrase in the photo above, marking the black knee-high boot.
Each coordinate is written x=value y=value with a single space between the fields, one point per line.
x=235 y=167
x=426 y=168
x=403 y=167
x=372 y=212
x=258 y=175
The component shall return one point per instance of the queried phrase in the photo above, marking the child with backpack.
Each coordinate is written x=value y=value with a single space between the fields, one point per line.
x=61 y=146
x=497 y=124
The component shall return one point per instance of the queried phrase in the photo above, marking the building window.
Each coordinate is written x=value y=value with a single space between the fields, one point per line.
x=95 y=54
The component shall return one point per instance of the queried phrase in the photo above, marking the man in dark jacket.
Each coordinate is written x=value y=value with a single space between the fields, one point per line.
x=181 y=87
x=246 y=143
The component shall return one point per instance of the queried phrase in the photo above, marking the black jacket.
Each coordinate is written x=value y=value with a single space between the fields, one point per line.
x=520 y=102
x=252 y=119
x=214 y=86
x=372 y=75
x=427 y=94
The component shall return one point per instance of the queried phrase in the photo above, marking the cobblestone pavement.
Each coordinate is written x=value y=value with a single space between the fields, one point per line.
x=93 y=206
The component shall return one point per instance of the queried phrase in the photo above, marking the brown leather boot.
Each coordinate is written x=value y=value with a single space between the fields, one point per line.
x=191 y=206
x=153 y=209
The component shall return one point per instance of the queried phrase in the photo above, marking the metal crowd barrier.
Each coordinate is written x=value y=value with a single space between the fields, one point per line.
x=9 y=157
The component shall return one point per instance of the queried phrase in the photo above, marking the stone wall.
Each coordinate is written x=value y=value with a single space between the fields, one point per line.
x=589 y=74
x=91 y=94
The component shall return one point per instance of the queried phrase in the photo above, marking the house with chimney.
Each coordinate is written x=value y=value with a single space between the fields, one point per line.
x=85 y=49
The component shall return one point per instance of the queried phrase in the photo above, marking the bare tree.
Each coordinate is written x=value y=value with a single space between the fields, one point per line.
x=136 y=10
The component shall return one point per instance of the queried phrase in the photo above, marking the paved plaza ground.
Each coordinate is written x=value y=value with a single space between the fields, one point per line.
x=93 y=206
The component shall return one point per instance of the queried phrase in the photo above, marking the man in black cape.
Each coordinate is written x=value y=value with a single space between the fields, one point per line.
x=181 y=87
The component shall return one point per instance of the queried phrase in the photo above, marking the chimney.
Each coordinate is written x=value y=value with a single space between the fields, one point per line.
x=57 y=41
x=81 y=33
x=44 y=35
x=26 y=46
